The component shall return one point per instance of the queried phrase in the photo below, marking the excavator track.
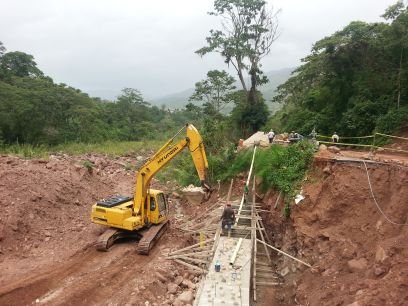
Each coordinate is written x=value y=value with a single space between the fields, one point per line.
x=150 y=237
x=108 y=238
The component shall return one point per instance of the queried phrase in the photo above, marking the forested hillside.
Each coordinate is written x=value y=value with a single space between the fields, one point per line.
x=35 y=110
x=268 y=90
x=354 y=82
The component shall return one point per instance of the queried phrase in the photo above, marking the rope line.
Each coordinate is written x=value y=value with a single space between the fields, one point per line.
x=358 y=137
x=362 y=145
x=375 y=201
x=341 y=137
x=391 y=136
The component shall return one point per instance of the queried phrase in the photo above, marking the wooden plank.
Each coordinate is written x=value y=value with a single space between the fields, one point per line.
x=265 y=270
x=260 y=263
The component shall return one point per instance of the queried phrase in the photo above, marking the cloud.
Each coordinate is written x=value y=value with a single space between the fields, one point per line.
x=103 y=46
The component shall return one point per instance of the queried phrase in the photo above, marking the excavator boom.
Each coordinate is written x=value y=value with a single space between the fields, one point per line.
x=163 y=156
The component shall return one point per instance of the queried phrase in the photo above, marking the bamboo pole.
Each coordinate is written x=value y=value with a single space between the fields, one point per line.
x=195 y=260
x=204 y=253
x=266 y=233
x=191 y=246
x=253 y=238
x=189 y=265
x=286 y=254
x=247 y=183
x=230 y=191
x=263 y=239
x=277 y=200
x=234 y=255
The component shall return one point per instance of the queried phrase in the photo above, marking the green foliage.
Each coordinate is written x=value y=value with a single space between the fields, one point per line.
x=2 y=49
x=395 y=117
x=88 y=165
x=350 y=80
x=249 y=118
x=214 y=91
x=18 y=64
x=279 y=167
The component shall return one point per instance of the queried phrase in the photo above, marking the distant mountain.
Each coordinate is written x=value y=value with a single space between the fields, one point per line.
x=173 y=101
x=276 y=78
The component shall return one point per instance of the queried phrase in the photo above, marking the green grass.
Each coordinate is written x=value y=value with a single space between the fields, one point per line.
x=282 y=168
x=111 y=148
x=26 y=151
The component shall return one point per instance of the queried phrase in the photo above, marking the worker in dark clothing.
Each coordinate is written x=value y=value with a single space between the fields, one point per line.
x=228 y=218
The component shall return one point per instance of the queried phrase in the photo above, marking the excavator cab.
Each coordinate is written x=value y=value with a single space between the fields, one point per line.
x=156 y=206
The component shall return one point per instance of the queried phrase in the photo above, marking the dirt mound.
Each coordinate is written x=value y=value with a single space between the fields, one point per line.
x=46 y=206
x=47 y=253
x=358 y=257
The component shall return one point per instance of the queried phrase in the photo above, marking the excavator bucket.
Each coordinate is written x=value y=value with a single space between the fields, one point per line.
x=196 y=195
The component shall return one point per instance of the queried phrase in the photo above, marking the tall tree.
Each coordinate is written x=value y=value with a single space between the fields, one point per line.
x=214 y=91
x=249 y=29
x=2 y=49
x=19 y=64
x=398 y=14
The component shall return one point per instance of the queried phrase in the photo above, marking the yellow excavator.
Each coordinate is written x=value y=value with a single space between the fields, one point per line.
x=145 y=216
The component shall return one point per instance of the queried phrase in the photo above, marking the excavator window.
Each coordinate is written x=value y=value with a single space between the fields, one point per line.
x=162 y=203
x=152 y=204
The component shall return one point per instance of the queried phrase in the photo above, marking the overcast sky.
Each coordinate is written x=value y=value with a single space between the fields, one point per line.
x=102 y=46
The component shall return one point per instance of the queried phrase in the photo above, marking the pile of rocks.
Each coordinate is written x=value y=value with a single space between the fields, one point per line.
x=181 y=287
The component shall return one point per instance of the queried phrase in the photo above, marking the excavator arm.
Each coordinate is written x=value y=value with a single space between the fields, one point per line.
x=194 y=142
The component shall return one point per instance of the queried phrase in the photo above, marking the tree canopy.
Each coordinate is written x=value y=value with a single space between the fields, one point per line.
x=215 y=91
x=352 y=80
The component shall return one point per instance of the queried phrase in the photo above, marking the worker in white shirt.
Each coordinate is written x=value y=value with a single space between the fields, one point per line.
x=335 y=137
